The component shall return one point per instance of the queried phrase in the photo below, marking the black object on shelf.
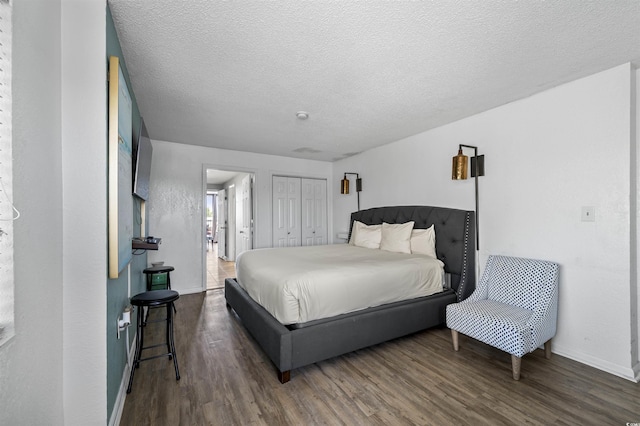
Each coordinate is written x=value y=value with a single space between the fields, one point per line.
x=148 y=243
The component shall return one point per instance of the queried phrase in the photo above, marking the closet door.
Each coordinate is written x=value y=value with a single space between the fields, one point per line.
x=314 y=212
x=286 y=211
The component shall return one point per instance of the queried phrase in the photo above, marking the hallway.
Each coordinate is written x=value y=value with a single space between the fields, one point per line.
x=218 y=269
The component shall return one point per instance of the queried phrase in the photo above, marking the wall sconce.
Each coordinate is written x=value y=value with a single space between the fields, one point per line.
x=344 y=186
x=459 y=172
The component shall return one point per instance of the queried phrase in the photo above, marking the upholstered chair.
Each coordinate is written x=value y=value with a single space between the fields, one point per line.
x=514 y=308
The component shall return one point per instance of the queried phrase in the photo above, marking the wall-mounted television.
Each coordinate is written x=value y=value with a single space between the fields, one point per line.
x=142 y=163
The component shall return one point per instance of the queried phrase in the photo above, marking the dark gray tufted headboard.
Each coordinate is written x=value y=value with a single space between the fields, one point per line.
x=455 y=243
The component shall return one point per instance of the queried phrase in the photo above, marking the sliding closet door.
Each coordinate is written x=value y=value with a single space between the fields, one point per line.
x=286 y=211
x=314 y=212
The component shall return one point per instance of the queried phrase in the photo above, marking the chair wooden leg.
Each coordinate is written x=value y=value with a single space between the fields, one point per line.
x=547 y=349
x=454 y=337
x=515 y=366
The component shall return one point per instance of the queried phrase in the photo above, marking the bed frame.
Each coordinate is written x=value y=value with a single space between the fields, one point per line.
x=291 y=347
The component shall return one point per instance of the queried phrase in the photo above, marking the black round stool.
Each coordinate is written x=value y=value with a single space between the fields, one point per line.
x=154 y=299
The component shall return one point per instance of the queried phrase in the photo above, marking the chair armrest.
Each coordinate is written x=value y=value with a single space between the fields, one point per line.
x=544 y=319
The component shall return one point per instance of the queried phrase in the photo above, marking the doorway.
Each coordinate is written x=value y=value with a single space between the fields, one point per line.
x=228 y=224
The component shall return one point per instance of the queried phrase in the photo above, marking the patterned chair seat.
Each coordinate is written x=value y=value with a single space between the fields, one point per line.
x=514 y=307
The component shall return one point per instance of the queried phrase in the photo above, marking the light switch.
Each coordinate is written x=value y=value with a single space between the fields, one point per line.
x=588 y=214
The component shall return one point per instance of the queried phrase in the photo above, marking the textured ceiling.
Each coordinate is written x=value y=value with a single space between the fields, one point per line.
x=233 y=74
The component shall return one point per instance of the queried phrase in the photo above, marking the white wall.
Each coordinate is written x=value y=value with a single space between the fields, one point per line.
x=176 y=201
x=54 y=370
x=546 y=157
x=84 y=162
x=34 y=355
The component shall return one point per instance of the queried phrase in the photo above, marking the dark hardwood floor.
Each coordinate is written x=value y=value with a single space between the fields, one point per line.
x=416 y=380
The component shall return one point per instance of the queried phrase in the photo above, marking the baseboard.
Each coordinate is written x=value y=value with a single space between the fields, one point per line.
x=191 y=290
x=116 y=414
x=630 y=373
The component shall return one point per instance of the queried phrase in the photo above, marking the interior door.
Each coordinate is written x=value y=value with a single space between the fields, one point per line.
x=279 y=215
x=286 y=212
x=222 y=224
x=314 y=212
x=244 y=216
x=232 y=193
x=294 y=230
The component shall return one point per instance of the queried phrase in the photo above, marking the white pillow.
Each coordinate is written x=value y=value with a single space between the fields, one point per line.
x=367 y=236
x=396 y=237
x=423 y=241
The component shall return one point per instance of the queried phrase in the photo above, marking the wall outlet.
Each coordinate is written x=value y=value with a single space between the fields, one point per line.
x=588 y=214
x=125 y=321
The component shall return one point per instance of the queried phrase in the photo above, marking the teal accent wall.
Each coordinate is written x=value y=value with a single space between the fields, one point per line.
x=117 y=289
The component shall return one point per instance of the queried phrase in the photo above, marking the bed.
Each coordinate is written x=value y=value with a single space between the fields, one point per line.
x=299 y=344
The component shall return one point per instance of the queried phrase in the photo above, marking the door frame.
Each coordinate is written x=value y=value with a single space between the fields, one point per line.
x=203 y=230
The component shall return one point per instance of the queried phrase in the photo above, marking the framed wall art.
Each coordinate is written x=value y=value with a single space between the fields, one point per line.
x=120 y=202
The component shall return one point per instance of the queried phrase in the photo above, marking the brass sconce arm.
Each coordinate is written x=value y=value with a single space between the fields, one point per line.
x=344 y=185
x=459 y=172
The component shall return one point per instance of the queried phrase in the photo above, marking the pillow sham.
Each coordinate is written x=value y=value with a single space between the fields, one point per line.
x=423 y=241
x=396 y=237
x=367 y=236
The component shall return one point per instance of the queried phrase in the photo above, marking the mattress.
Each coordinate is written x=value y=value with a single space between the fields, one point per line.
x=301 y=284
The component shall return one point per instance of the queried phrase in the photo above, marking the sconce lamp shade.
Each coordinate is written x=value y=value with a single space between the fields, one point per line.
x=344 y=185
x=459 y=167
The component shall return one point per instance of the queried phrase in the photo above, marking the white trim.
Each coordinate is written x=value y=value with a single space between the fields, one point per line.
x=118 y=406
x=600 y=364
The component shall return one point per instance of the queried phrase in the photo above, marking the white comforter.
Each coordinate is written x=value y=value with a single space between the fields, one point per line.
x=301 y=284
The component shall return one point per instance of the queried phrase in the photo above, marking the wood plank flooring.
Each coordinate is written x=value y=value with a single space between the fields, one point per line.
x=415 y=380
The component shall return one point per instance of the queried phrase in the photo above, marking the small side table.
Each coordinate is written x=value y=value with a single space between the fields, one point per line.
x=156 y=277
